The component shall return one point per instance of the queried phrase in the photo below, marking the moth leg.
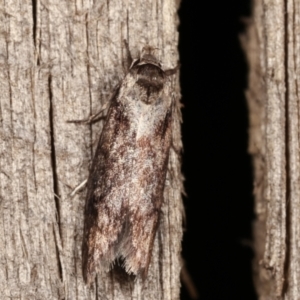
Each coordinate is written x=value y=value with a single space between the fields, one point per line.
x=92 y=118
x=79 y=187
x=97 y=116
x=172 y=71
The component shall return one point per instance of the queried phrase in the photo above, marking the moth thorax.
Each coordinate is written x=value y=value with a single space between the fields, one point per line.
x=149 y=58
x=150 y=75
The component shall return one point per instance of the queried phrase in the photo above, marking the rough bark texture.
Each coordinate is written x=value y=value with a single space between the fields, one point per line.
x=272 y=45
x=60 y=60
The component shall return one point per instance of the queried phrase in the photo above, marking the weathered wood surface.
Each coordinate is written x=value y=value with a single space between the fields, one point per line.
x=60 y=60
x=272 y=45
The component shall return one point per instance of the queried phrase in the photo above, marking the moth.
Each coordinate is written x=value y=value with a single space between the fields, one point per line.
x=128 y=172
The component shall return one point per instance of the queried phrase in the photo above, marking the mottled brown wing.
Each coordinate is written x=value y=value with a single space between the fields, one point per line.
x=144 y=204
x=126 y=183
x=105 y=211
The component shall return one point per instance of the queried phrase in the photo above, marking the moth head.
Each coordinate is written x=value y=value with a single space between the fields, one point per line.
x=148 y=56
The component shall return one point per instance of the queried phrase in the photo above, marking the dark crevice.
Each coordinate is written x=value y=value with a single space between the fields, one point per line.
x=59 y=266
x=34 y=21
x=34 y=28
x=287 y=156
x=53 y=162
x=160 y=265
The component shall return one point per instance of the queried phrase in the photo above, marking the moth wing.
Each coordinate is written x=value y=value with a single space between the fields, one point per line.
x=105 y=209
x=146 y=198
